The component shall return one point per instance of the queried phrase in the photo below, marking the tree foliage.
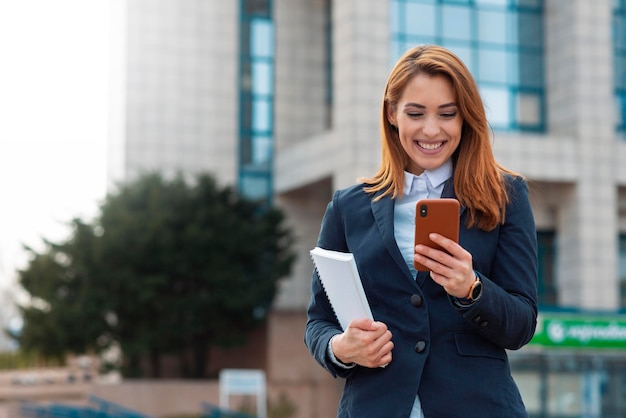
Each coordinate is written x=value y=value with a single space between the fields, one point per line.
x=168 y=267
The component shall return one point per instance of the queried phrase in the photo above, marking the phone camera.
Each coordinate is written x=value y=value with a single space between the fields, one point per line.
x=423 y=211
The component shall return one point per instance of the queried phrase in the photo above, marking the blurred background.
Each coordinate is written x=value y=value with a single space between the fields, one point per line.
x=280 y=100
x=53 y=130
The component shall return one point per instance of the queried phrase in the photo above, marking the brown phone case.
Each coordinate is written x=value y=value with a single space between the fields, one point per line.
x=436 y=215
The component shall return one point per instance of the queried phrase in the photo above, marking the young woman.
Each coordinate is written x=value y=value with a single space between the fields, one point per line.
x=437 y=345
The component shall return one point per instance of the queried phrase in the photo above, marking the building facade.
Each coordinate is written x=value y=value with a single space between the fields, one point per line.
x=282 y=98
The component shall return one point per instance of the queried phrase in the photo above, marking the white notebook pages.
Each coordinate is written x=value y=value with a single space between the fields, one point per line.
x=342 y=284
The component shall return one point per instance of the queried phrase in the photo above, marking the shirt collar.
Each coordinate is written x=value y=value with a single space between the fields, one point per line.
x=436 y=177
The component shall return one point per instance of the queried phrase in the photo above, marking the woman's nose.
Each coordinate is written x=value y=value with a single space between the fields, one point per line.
x=431 y=126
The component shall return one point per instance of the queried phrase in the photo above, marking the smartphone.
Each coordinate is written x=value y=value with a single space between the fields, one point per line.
x=436 y=215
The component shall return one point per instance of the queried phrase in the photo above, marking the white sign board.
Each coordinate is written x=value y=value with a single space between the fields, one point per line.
x=243 y=382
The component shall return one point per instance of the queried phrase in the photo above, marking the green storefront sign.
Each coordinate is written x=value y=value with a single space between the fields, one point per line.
x=580 y=331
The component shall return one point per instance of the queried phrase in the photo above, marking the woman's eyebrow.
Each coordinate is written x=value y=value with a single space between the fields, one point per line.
x=421 y=106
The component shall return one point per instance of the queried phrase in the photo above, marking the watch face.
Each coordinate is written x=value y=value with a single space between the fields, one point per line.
x=477 y=290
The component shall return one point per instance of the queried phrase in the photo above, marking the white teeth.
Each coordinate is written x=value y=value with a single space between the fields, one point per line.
x=430 y=146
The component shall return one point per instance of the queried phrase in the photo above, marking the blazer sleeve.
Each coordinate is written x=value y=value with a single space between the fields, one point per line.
x=322 y=323
x=506 y=313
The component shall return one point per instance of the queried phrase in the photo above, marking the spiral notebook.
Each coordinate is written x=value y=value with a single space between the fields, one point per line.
x=342 y=284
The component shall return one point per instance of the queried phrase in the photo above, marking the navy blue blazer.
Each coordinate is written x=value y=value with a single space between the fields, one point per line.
x=453 y=357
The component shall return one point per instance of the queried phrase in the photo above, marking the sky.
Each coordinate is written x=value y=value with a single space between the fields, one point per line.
x=54 y=101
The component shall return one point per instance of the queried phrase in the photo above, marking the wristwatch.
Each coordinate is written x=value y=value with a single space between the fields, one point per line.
x=475 y=291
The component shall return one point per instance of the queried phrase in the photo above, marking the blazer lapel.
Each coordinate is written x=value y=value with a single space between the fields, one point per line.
x=383 y=214
x=448 y=192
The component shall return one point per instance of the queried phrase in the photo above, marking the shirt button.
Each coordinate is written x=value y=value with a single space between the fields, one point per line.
x=419 y=185
x=420 y=346
x=416 y=300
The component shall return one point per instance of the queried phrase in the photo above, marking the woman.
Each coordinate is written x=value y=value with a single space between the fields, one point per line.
x=437 y=345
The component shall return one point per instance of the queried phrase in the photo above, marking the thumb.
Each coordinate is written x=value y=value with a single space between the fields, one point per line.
x=365 y=324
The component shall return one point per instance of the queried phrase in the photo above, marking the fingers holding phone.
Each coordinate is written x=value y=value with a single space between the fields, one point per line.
x=451 y=268
x=436 y=245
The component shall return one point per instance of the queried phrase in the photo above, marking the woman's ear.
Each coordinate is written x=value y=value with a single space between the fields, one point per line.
x=391 y=115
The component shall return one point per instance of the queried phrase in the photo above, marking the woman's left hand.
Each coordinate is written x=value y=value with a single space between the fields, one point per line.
x=452 y=269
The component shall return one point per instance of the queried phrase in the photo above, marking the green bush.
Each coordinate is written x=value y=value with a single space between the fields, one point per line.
x=13 y=360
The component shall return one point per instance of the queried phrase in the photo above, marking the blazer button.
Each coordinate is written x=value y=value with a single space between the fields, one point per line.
x=484 y=324
x=416 y=300
x=420 y=346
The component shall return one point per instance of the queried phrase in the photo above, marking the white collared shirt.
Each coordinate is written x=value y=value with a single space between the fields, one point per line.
x=428 y=185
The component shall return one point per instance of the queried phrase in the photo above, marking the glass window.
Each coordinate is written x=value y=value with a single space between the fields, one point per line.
x=528 y=108
x=532 y=70
x=500 y=41
x=620 y=72
x=262 y=78
x=261 y=38
x=261 y=115
x=262 y=150
x=245 y=150
x=528 y=3
x=456 y=22
x=466 y=54
x=245 y=120
x=419 y=19
x=497 y=106
x=619 y=65
x=245 y=84
x=255 y=186
x=256 y=86
x=256 y=151
x=530 y=30
x=513 y=64
x=492 y=26
x=492 y=2
x=490 y=65
x=397 y=12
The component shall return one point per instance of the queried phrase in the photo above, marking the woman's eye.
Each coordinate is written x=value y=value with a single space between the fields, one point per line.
x=448 y=115
x=414 y=115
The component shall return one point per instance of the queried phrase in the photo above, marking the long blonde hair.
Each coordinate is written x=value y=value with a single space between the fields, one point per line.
x=478 y=178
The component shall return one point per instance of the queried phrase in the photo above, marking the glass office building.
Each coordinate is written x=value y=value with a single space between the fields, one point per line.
x=281 y=98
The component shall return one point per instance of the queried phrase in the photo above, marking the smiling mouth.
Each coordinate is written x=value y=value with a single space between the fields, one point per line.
x=429 y=146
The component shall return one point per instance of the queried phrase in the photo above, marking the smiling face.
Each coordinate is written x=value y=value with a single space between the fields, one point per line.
x=428 y=122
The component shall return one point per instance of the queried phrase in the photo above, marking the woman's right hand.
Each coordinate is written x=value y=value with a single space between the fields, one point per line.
x=365 y=342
